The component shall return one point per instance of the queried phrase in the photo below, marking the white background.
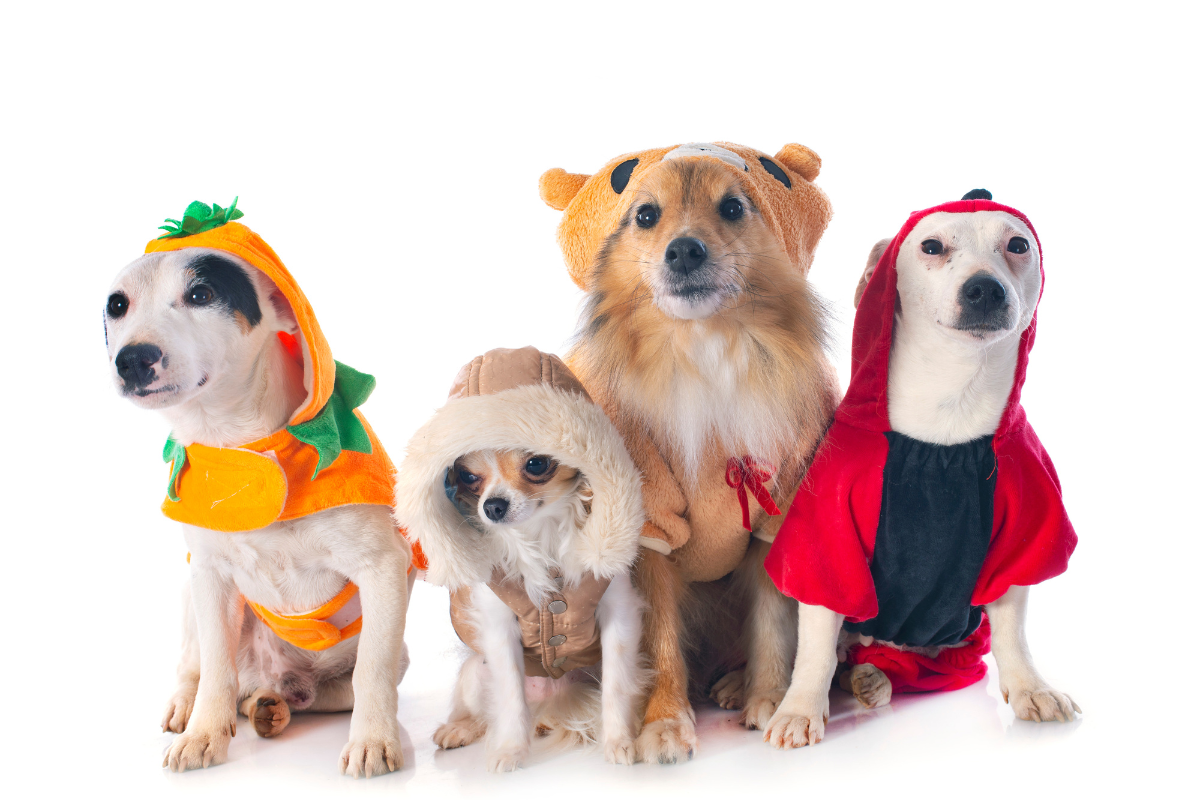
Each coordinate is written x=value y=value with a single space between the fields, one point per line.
x=391 y=156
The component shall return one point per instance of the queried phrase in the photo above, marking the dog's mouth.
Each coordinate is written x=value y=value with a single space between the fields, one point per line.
x=981 y=329
x=694 y=296
x=151 y=392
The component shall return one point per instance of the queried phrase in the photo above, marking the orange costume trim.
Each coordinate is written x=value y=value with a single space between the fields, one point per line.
x=279 y=477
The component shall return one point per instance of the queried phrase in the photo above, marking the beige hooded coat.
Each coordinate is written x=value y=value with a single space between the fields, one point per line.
x=527 y=400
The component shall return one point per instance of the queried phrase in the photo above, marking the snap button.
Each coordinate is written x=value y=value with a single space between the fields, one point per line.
x=558 y=662
x=557 y=606
x=556 y=640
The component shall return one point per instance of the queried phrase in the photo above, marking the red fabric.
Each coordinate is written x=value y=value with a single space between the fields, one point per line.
x=746 y=473
x=953 y=668
x=823 y=552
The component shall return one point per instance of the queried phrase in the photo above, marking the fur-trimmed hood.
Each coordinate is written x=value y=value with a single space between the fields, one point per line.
x=529 y=400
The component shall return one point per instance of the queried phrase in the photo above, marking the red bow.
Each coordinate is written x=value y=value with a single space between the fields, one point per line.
x=746 y=472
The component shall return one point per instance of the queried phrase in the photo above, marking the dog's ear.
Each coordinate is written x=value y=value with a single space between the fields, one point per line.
x=800 y=160
x=872 y=261
x=558 y=187
x=284 y=313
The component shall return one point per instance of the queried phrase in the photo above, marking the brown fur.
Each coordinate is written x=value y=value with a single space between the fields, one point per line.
x=640 y=363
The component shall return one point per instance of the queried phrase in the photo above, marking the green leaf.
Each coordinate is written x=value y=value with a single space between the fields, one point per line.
x=336 y=428
x=175 y=454
x=200 y=217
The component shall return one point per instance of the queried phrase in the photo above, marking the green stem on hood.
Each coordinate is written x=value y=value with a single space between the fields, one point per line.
x=199 y=217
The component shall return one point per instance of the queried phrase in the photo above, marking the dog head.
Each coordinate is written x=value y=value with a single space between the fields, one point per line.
x=504 y=488
x=974 y=277
x=694 y=240
x=179 y=323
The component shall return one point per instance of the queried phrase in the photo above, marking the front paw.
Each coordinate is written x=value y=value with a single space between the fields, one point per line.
x=268 y=712
x=179 y=710
x=1042 y=704
x=507 y=757
x=198 y=748
x=796 y=726
x=729 y=691
x=760 y=708
x=458 y=733
x=620 y=750
x=667 y=741
x=869 y=685
x=371 y=755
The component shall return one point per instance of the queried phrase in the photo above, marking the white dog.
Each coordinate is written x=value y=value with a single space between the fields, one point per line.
x=522 y=495
x=960 y=299
x=196 y=334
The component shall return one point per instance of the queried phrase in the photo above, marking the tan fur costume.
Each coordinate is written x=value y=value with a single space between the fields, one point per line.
x=697 y=519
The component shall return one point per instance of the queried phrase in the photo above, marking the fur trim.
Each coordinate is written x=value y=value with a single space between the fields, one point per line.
x=539 y=418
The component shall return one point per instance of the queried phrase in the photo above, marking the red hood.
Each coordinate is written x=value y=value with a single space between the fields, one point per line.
x=866 y=405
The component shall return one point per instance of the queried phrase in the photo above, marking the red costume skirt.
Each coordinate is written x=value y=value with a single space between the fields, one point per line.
x=954 y=667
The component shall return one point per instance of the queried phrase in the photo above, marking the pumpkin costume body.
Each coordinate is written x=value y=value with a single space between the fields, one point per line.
x=705 y=520
x=325 y=457
x=524 y=400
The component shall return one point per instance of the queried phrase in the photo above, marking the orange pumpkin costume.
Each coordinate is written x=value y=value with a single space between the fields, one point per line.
x=327 y=455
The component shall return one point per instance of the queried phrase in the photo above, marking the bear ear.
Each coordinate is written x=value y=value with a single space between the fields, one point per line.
x=800 y=160
x=558 y=187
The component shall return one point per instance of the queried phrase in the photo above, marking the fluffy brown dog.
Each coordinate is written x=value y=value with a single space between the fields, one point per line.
x=705 y=345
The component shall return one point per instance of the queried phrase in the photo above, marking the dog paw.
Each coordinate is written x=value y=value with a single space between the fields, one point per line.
x=198 y=749
x=620 y=750
x=363 y=758
x=268 y=712
x=507 y=758
x=179 y=710
x=1042 y=704
x=760 y=708
x=795 y=728
x=869 y=685
x=667 y=741
x=458 y=733
x=728 y=692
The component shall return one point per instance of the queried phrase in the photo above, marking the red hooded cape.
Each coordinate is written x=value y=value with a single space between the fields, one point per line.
x=822 y=555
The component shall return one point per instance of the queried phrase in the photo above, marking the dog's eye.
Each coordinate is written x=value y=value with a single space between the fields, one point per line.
x=200 y=295
x=732 y=209
x=647 y=216
x=537 y=465
x=467 y=478
x=118 y=304
x=1018 y=245
x=931 y=247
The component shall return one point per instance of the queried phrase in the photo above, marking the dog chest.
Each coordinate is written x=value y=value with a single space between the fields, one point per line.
x=935 y=526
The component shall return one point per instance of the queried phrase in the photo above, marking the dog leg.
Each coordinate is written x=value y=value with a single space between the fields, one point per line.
x=466 y=723
x=622 y=677
x=669 y=730
x=509 y=722
x=218 y=608
x=868 y=683
x=1023 y=688
x=179 y=707
x=374 y=746
x=334 y=694
x=768 y=639
x=267 y=711
x=801 y=717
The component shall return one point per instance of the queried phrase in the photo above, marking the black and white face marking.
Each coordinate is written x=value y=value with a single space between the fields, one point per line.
x=174 y=321
x=974 y=275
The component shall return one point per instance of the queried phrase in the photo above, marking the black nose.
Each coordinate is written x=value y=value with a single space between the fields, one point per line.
x=135 y=363
x=982 y=295
x=495 y=508
x=686 y=254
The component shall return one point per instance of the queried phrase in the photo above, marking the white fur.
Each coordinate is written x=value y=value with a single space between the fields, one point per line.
x=945 y=386
x=227 y=385
x=708 y=404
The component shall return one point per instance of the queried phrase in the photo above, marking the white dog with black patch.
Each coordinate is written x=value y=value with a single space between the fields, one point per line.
x=298 y=589
x=931 y=507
